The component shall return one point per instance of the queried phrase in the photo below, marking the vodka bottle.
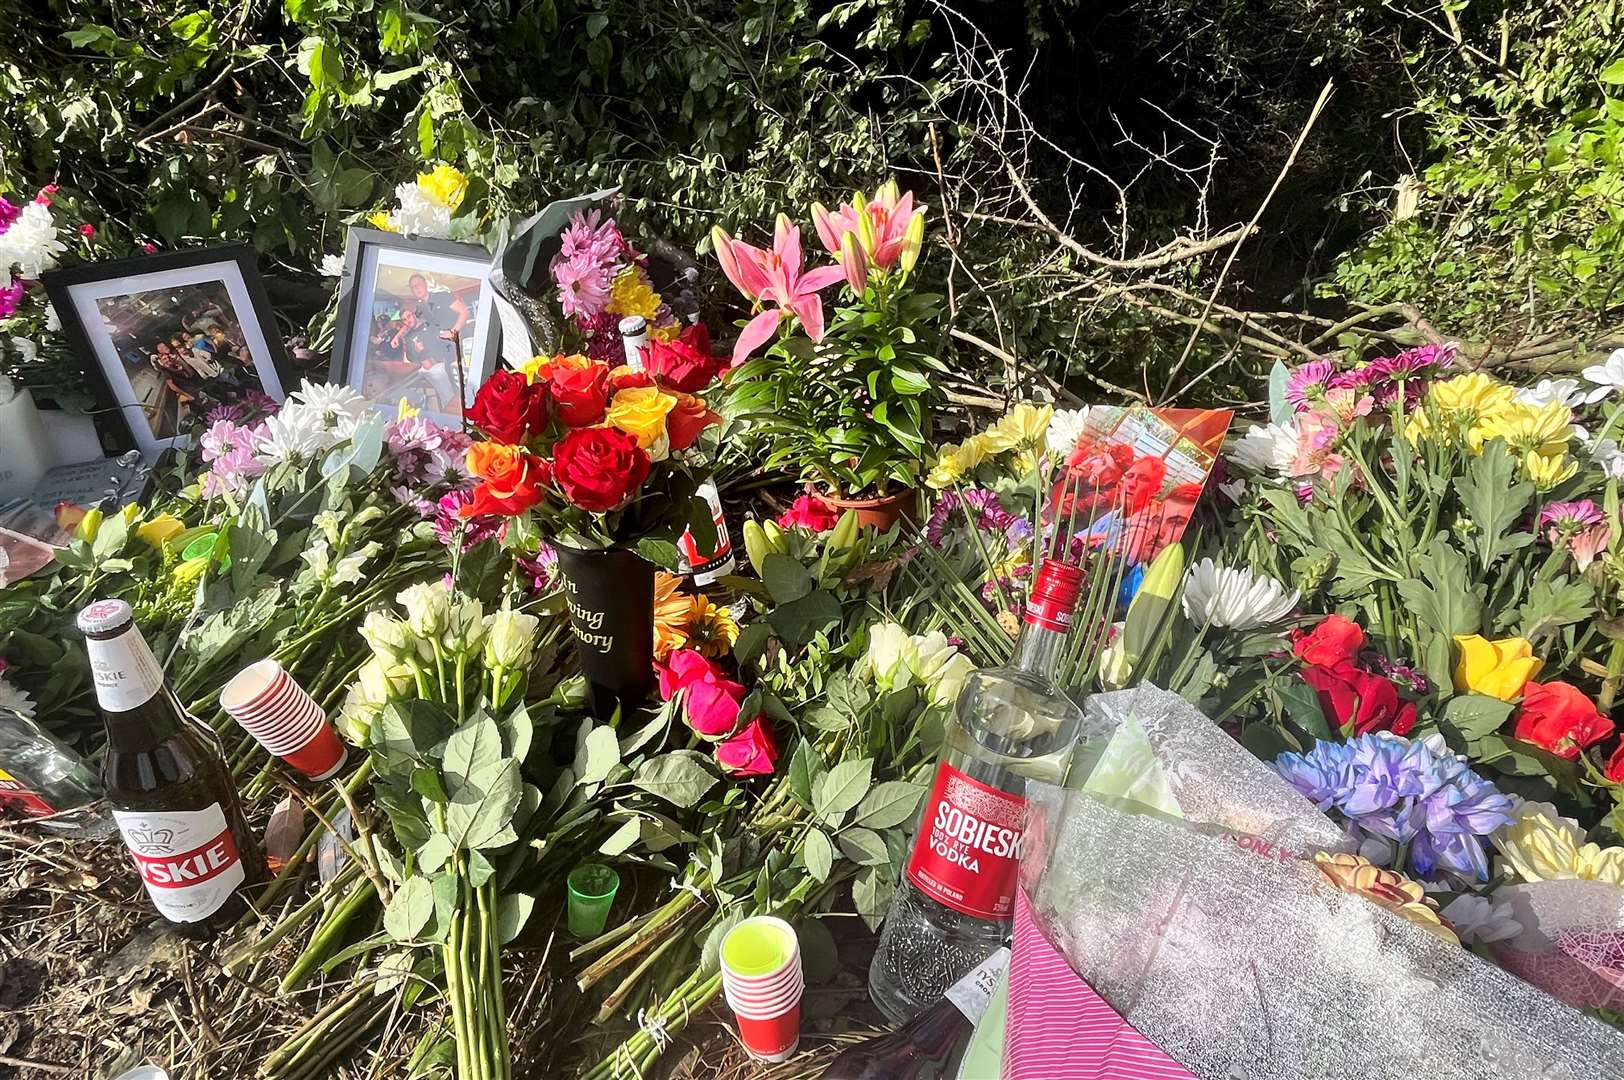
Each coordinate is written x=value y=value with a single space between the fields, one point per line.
x=955 y=904
x=932 y=1044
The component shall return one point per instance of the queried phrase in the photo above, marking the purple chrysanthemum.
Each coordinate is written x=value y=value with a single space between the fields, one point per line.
x=10 y=297
x=447 y=522
x=1308 y=383
x=9 y=212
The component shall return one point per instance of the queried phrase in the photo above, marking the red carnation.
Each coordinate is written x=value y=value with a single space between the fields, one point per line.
x=599 y=469
x=510 y=408
x=1559 y=717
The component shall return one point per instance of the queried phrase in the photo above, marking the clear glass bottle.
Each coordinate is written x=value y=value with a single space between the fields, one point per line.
x=954 y=906
x=47 y=783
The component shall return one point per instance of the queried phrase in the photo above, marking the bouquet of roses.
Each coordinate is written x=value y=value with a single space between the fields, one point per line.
x=596 y=455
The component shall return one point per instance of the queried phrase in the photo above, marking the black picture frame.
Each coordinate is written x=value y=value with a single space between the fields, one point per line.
x=357 y=289
x=73 y=292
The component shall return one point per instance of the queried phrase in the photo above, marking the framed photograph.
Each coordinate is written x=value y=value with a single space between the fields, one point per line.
x=415 y=321
x=167 y=338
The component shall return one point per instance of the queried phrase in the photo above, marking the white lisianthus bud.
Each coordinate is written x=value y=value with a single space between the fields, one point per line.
x=464 y=626
x=390 y=638
x=510 y=638
x=427 y=606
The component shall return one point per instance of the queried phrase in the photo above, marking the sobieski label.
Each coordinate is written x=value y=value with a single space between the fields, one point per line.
x=969 y=846
x=187 y=859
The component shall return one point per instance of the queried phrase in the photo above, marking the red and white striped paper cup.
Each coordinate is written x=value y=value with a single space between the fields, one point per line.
x=763 y=983
x=286 y=721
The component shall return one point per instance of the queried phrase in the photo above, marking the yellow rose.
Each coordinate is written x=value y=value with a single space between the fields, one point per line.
x=1499 y=669
x=446 y=185
x=640 y=413
x=1542 y=845
x=160 y=529
x=1547 y=470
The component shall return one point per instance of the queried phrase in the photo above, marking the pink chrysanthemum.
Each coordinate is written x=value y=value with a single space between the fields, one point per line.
x=583 y=287
x=11 y=296
x=1308 y=383
x=9 y=212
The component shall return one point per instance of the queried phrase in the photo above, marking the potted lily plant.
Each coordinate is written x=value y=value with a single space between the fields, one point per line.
x=848 y=402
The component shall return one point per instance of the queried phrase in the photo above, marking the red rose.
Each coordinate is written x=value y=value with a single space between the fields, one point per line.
x=1357 y=702
x=511 y=479
x=682 y=364
x=625 y=378
x=1559 y=717
x=749 y=753
x=810 y=513
x=687 y=419
x=580 y=393
x=1615 y=765
x=1334 y=641
x=599 y=469
x=510 y=408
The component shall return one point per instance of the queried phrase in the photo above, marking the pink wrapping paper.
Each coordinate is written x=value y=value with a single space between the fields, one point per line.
x=1060 y=1029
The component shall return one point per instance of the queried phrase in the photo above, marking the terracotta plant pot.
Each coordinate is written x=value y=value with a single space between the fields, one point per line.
x=882 y=513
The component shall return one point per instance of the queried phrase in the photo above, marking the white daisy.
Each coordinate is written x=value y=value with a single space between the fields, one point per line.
x=1234 y=597
x=1608 y=377
x=1065 y=428
x=1565 y=391
x=1265 y=448
x=294 y=432
x=30 y=244
x=1478 y=919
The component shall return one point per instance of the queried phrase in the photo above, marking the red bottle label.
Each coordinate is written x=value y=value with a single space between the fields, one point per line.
x=15 y=793
x=969 y=846
x=187 y=858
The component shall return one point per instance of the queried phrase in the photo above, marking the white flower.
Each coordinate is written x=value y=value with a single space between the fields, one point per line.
x=348 y=569
x=380 y=683
x=332 y=266
x=30 y=244
x=329 y=524
x=1266 y=448
x=1480 y=920
x=464 y=626
x=890 y=651
x=1607 y=377
x=53 y=321
x=340 y=408
x=948 y=681
x=1608 y=456
x=27 y=351
x=1564 y=391
x=939 y=666
x=419 y=215
x=1065 y=428
x=510 y=638
x=1234 y=597
x=1233 y=490
x=292 y=433
x=427 y=606
x=389 y=637
x=14 y=699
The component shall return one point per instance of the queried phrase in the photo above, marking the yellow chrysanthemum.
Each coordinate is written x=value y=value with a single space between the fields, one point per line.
x=669 y=332
x=1542 y=845
x=672 y=607
x=1531 y=429
x=631 y=295
x=712 y=630
x=405 y=410
x=379 y=219
x=1023 y=426
x=445 y=184
x=1548 y=470
x=973 y=451
x=1471 y=397
x=947 y=470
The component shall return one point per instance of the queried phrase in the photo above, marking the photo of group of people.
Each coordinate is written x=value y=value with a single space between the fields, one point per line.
x=182 y=349
x=1132 y=483
x=418 y=337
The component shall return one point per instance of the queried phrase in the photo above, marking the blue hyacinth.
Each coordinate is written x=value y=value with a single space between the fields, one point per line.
x=1411 y=792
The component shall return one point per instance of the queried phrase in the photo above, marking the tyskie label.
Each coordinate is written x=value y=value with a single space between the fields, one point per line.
x=124 y=670
x=15 y=793
x=969 y=846
x=187 y=858
x=707 y=569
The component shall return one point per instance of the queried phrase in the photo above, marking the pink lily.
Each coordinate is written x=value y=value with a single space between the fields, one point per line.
x=774 y=277
x=853 y=263
x=882 y=224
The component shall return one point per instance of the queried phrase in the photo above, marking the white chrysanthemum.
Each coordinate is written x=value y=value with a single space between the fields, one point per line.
x=332 y=266
x=1234 y=597
x=1234 y=490
x=1607 y=455
x=53 y=321
x=1265 y=448
x=31 y=244
x=341 y=408
x=1065 y=428
x=1562 y=391
x=420 y=215
x=14 y=699
x=293 y=433
x=27 y=351
x=1608 y=377
x=1479 y=920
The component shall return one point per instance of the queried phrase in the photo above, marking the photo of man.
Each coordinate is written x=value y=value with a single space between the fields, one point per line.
x=417 y=344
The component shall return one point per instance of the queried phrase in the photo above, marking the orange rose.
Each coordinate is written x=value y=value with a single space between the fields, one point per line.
x=687 y=419
x=511 y=479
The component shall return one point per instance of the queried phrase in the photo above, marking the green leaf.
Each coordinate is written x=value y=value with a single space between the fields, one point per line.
x=1495 y=500
x=889 y=804
x=479 y=812
x=659 y=551
x=658 y=723
x=1301 y=705
x=785 y=578
x=820 y=958
x=805 y=766
x=799 y=620
x=518 y=731
x=682 y=777
x=621 y=840
x=865 y=847
x=601 y=755
x=426 y=782
x=1439 y=596
x=512 y=912
x=434 y=852
x=842 y=788
x=751 y=642
x=712 y=949
x=871 y=892
x=412 y=729
x=473 y=754
x=1474 y=716
x=818 y=853
x=1553 y=604
x=409 y=909
x=1613 y=74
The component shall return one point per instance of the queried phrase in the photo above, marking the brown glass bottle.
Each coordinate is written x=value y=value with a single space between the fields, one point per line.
x=172 y=795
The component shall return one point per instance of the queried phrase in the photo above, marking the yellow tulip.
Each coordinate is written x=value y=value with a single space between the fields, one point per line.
x=1498 y=669
x=89 y=525
x=160 y=529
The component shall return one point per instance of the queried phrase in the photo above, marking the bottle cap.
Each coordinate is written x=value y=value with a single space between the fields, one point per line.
x=104 y=615
x=633 y=325
x=1054 y=595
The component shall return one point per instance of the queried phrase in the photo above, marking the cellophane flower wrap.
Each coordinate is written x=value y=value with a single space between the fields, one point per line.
x=597 y=454
x=1229 y=921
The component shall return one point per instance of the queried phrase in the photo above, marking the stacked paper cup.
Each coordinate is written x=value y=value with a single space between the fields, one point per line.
x=761 y=976
x=275 y=710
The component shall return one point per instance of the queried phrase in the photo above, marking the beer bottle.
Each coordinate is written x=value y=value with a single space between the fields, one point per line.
x=172 y=795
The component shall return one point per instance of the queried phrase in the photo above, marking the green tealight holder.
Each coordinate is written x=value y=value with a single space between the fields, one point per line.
x=592 y=888
x=203 y=547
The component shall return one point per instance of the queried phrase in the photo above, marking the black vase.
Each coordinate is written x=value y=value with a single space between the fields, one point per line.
x=610 y=593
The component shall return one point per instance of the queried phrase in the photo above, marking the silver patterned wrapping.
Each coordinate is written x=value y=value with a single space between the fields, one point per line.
x=1209 y=928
